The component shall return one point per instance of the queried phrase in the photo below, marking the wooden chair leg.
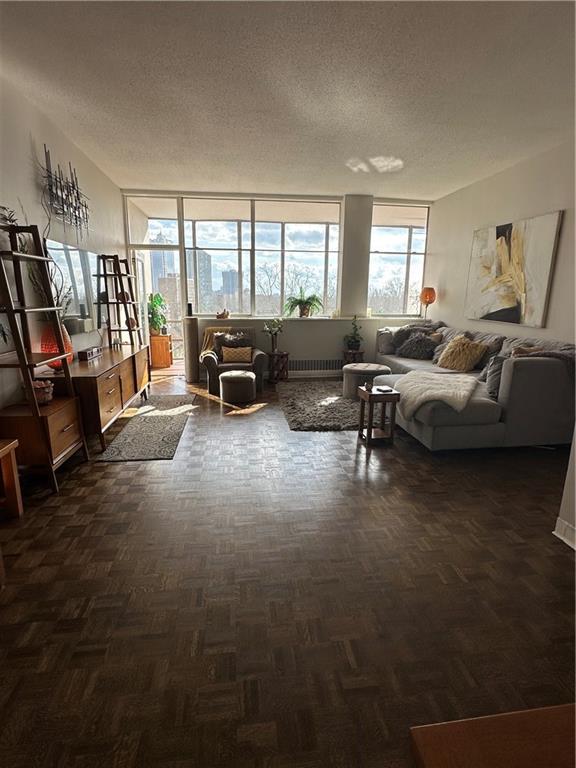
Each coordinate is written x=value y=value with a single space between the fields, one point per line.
x=11 y=481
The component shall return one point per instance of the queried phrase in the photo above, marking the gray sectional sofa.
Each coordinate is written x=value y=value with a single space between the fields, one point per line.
x=535 y=403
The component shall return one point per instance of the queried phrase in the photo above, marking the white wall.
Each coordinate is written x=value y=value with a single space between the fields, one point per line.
x=23 y=132
x=542 y=184
x=310 y=338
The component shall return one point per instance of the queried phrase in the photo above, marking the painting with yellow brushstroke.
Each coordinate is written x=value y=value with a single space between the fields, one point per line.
x=511 y=270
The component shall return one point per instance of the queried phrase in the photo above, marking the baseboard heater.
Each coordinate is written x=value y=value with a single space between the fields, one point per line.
x=315 y=367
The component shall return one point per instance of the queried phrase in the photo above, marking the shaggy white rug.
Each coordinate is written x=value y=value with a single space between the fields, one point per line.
x=317 y=406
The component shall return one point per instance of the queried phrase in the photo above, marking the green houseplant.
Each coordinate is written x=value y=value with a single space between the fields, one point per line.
x=156 y=313
x=307 y=305
x=353 y=340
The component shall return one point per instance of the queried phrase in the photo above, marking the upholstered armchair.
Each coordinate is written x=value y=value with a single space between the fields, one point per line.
x=214 y=366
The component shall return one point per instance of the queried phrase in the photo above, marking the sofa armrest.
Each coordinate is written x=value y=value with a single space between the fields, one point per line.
x=209 y=359
x=536 y=394
x=259 y=360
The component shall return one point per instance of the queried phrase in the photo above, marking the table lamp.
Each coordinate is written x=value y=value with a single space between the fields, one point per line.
x=427 y=297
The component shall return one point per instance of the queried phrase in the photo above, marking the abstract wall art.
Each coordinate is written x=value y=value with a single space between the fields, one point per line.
x=510 y=271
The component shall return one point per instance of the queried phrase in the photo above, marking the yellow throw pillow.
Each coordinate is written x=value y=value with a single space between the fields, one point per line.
x=462 y=354
x=237 y=354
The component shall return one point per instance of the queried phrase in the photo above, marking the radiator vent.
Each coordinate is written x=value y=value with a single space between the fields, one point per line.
x=315 y=365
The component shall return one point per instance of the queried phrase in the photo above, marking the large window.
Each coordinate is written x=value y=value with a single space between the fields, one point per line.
x=153 y=230
x=397 y=250
x=296 y=247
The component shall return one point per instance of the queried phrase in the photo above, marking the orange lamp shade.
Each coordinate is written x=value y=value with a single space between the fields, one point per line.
x=427 y=296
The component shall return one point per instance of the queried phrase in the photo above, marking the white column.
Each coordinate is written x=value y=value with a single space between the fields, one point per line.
x=355 y=225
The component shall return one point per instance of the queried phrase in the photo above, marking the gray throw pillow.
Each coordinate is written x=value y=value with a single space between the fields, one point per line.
x=494 y=375
x=418 y=347
x=385 y=341
x=404 y=333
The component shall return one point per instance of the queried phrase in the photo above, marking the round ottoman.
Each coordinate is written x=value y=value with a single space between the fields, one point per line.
x=238 y=386
x=355 y=374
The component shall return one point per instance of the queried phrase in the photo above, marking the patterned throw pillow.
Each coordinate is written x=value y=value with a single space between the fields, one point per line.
x=222 y=339
x=237 y=354
x=461 y=354
x=418 y=347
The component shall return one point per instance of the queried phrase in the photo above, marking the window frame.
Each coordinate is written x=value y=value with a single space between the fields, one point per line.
x=408 y=253
x=185 y=250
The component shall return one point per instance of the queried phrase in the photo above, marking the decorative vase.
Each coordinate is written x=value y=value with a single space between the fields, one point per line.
x=304 y=311
x=274 y=338
x=49 y=345
x=154 y=332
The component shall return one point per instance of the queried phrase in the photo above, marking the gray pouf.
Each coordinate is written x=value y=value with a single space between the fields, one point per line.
x=238 y=386
x=355 y=374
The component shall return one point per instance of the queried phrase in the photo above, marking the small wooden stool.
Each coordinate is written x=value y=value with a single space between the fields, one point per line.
x=372 y=435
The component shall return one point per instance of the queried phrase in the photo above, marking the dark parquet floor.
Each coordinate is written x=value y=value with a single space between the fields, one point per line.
x=274 y=599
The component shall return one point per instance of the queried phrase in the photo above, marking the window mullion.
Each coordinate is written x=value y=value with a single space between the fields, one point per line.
x=282 y=265
x=326 y=257
x=195 y=268
x=407 y=274
x=239 y=255
x=252 y=257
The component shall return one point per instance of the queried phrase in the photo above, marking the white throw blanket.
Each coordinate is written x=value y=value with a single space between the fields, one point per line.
x=419 y=387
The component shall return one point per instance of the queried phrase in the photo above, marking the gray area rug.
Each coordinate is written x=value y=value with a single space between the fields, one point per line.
x=317 y=406
x=153 y=432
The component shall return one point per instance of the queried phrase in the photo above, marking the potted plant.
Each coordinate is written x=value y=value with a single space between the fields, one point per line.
x=273 y=328
x=307 y=305
x=354 y=339
x=156 y=313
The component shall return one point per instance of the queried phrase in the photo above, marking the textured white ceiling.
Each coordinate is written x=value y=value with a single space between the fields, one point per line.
x=289 y=97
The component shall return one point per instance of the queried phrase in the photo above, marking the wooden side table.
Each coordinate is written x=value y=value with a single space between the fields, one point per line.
x=161 y=351
x=384 y=434
x=278 y=370
x=353 y=356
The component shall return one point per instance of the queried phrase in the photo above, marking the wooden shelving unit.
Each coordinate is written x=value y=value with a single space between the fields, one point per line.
x=115 y=289
x=48 y=434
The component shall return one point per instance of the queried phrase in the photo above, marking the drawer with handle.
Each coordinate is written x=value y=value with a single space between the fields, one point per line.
x=64 y=428
x=110 y=401
x=108 y=382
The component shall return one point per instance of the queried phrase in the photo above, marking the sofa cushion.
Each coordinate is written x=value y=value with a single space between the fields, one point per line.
x=418 y=347
x=462 y=354
x=406 y=364
x=481 y=409
x=558 y=346
x=493 y=342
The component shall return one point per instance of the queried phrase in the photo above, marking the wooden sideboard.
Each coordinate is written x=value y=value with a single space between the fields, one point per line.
x=107 y=385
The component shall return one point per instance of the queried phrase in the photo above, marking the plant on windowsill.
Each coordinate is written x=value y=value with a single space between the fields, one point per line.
x=156 y=313
x=306 y=305
x=354 y=339
x=273 y=328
